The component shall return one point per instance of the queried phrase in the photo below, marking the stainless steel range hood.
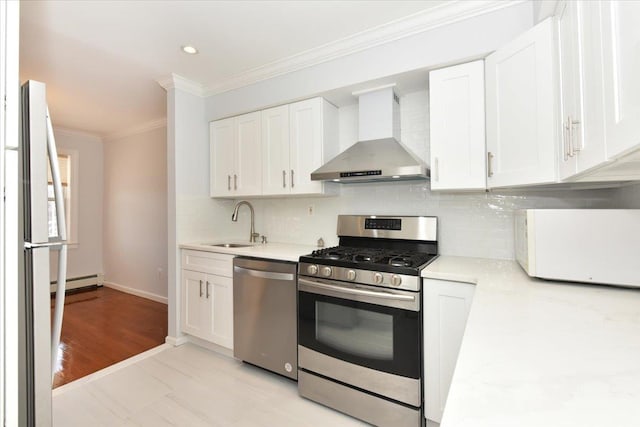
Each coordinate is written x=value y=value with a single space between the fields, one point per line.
x=378 y=156
x=373 y=160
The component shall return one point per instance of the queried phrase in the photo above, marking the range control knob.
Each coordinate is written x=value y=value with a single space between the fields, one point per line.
x=326 y=271
x=396 y=280
x=377 y=277
x=312 y=269
x=351 y=275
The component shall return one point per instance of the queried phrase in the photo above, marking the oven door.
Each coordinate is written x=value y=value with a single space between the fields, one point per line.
x=362 y=335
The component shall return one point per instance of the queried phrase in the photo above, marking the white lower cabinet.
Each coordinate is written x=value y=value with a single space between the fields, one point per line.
x=207 y=296
x=446 y=308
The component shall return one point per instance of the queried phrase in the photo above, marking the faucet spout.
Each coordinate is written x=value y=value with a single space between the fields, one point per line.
x=234 y=217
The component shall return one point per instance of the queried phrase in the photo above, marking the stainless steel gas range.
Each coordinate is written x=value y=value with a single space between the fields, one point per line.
x=360 y=320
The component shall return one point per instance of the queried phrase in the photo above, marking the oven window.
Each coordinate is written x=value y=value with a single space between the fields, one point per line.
x=382 y=338
x=358 y=332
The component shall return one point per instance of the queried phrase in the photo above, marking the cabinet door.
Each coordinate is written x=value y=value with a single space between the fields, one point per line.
x=306 y=145
x=446 y=308
x=194 y=310
x=219 y=297
x=583 y=141
x=457 y=127
x=522 y=110
x=247 y=178
x=570 y=88
x=275 y=150
x=221 y=146
x=621 y=67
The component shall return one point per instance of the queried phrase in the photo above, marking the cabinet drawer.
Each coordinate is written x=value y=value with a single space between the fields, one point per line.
x=208 y=262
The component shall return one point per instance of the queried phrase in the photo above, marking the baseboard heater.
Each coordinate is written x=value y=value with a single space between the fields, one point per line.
x=80 y=282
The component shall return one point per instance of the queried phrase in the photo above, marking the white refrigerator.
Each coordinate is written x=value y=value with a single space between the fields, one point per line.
x=41 y=332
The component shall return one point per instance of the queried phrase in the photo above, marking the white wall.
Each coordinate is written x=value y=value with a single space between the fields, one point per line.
x=470 y=224
x=85 y=252
x=471 y=38
x=135 y=214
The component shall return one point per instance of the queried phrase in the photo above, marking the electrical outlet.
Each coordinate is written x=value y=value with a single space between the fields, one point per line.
x=310 y=210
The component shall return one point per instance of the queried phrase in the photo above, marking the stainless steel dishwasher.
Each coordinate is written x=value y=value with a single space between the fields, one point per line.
x=264 y=314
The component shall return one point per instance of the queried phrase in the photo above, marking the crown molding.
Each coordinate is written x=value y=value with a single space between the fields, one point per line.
x=176 y=81
x=426 y=20
x=78 y=132
x=138 y=129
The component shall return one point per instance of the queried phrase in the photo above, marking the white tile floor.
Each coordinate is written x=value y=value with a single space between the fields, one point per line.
x=189 y=386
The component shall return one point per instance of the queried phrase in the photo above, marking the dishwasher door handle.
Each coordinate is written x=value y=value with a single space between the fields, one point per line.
x=263 y=274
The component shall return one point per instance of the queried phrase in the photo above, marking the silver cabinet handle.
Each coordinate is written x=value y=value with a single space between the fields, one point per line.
x=436 y=170
x=570 y=137
x=284 y=179
x=489 y=164
x=200 y=288
x=565 y=139
x=207 y=289
x=574 y=148
x=292 y=184
x=235 y=181
x=229 y=182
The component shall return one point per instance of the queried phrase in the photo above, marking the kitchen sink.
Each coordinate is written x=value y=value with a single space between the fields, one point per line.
x=230 y=245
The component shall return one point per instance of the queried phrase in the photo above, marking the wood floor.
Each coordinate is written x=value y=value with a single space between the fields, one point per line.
x=104 y=326
x=189 y=386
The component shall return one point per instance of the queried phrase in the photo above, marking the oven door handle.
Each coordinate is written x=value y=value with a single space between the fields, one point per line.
x=388 y=298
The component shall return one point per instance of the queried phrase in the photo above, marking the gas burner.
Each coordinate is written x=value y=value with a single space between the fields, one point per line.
x=401 y=262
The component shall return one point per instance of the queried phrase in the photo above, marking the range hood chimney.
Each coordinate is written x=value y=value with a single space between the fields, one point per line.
x=378 y=155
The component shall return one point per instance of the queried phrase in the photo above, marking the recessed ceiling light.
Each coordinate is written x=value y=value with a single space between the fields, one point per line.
x=189 y=49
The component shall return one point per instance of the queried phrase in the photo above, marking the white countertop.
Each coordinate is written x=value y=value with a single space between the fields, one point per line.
x=279 y=251
x=541 y=353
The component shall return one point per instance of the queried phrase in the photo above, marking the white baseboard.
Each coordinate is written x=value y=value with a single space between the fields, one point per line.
x=137 y=292
x=80 y=282
x=176 y=341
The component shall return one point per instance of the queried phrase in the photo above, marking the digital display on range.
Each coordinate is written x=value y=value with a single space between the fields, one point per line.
x=383 y=224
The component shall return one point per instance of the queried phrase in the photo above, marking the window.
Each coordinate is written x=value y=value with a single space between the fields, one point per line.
x=64 y=162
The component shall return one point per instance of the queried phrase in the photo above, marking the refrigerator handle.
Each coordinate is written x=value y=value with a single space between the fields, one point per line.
x=56 y=327
x=57 y=183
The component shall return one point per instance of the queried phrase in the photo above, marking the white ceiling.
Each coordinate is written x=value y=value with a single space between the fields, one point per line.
x=101 y=59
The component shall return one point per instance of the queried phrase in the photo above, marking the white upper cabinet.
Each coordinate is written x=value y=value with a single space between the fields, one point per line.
x=621 y=67
x=222 y=141
x=314 y=140
x=583 y=141
x=275 y=150
x=235 y=149
x=457 y=127
x=248 y=155
x=522 y=110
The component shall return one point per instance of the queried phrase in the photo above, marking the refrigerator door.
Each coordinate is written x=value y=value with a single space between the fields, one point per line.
x=38 y=326
x=34 y=162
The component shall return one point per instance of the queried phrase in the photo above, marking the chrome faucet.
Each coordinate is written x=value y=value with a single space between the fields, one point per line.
x=234 y=217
